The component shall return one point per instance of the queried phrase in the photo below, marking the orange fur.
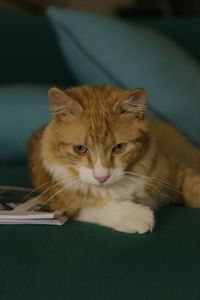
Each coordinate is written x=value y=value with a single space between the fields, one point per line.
x=99 y=118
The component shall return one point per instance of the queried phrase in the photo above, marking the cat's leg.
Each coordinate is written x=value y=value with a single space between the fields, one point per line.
x=178 y=147
x=190 y=186
x=124 y=216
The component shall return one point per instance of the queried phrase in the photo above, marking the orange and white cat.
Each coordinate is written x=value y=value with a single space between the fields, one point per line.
x=101 y=160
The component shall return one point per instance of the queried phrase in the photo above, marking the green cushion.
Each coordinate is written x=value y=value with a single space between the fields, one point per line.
x=29 y=51
x=101 y=50
x=24 y=108
x=88 y=262
x=184 y=30
x=15 y=174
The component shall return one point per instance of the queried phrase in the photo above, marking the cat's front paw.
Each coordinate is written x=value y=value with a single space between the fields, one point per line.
x=124 y=216
x=139 y=219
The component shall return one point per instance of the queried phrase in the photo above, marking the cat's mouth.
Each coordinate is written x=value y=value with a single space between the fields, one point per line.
x=108 y=177
x=101 y=182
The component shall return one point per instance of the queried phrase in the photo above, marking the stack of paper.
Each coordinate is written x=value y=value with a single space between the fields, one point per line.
x=21 y=206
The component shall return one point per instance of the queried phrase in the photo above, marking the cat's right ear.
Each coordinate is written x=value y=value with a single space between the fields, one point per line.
x=132 y=103
x=63 y=105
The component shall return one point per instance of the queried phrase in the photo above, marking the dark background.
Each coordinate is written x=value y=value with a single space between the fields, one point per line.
x=163 y=8
x=122 y=8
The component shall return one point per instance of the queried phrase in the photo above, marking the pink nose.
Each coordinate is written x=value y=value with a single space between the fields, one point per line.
x=101 y=179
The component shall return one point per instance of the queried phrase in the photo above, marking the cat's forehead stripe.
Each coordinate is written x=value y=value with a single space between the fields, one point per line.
x=99 y=129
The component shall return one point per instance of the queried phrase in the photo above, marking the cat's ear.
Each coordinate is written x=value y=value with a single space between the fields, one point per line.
x=62 y=104
x=132 y=102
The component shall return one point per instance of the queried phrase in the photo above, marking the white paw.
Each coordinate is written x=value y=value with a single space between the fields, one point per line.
x=123 y=216
x=140 y=219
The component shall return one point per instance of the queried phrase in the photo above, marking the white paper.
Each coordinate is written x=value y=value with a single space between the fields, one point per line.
x=16 y=207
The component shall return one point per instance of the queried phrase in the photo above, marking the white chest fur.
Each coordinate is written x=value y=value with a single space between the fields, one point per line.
x=125 y=189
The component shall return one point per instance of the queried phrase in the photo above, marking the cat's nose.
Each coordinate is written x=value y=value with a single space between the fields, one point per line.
x=101 y=179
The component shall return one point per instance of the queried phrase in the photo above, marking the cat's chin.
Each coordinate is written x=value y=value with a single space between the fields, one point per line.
x=99 y=184
x=91 y=183
x=87 y=175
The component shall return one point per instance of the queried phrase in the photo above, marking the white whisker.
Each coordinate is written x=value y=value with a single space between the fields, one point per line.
x=50 y=188
x=64 y=188
x=156 y=180
x=42 y=185
x=57 y=192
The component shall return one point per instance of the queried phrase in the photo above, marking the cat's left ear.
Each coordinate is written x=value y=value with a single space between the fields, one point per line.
x=133 y=102
x=62 y=104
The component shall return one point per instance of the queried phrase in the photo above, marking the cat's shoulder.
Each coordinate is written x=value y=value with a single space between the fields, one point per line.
x=36 y=136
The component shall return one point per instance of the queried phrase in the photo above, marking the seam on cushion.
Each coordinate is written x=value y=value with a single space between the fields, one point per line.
x=97 y=63
x=92 y=58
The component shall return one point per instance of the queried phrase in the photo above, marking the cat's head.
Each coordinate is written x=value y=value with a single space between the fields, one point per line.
x=96 y=133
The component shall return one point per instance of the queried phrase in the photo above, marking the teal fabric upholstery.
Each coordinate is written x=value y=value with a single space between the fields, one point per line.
x=14 y=174
x=89 y=262
x=101 y=50
x=184 y=30
x=80 y=260
x=29 y=51
x=24 y=108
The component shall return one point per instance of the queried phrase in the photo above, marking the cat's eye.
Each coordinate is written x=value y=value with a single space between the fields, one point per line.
x=80 y=149
x=119 y=148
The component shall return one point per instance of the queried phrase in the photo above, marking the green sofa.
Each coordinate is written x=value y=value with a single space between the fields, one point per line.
x=80 y=260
